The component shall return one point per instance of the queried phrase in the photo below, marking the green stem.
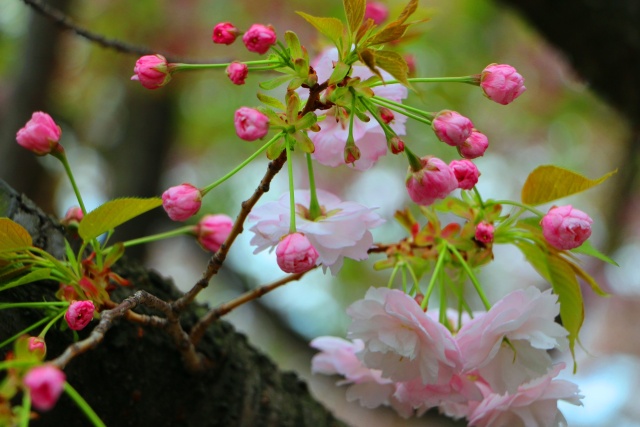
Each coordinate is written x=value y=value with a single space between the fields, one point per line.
x=51 y=323
x=475 y=190
x=472 y=276
x=292 y=199
x=520 y=205
x=392 y=277
x=24 y=331
x=442 y=315
x=33 y=304
x=314 y=206
x=415 y=289
x=405 y=110
x=155 y=237
x=83 y=405
x=404 y=278
x=25 y=410
x=434 y=275
x=16 y=364
x=213 y=185
x=60 y=155
x=464 y=79
x=388 y=132
x=190 y=67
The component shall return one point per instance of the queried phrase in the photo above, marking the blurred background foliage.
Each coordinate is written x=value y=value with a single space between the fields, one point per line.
x=124 y=140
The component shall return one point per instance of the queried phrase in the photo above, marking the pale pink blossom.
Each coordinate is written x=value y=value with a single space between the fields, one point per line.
x=401 y=340
x=338 y=356
x=525 y=314
x=451 y=127
x=45 y=383
x=224 y=33
x=466 y=173
x=250 y=123
x=212 y=230
x=501 y=83
x=152 y=71
x=434 y=181
x=484 y=232
x=237 y=72
x=342 y=229
x=79 y=314
x=369 y=137
x=296 y=254
x=534 y=404
x=376 y=11
x=565 y=227
x=259 y=38
x=474 y=146
x=40 y=135
x=182 y=201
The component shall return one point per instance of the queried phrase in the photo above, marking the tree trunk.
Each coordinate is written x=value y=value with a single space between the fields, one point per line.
x=135 y=377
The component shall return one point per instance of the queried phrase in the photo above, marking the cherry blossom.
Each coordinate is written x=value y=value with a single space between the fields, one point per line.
x=565 y=227
x=342 y=229
x=182 y=201
x=501 y=83
x=45 y=384
x=40 y=135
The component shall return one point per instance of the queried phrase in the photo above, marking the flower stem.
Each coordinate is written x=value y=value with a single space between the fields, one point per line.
x=292 y=199
x=155 y=237
x=477 y=193
x=405 y=110
x=314 y=206
x=464 y=79
x=24 y=331
x=83 y=405
x=33 y=304
x=191 y=67
x=434 y=276
x=60 y=155
x=51 y=323
x=25 y=410
x=512 y=203
x=472 y=276
x=213 y=185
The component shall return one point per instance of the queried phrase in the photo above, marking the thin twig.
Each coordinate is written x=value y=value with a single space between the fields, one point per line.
x=215 y=313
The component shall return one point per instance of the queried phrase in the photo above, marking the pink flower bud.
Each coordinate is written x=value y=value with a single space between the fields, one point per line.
x=411 y=64
x=37 y=346
x=45 y=383
x=79 y=314
x=501 y=83
x=250 y=123
x=259 y=38
x=376 y=11
x=237 y=72
x=73 y=217
x=566 y=228
x=351 y=153
x=451 y=128
x=182 y=201
x=466 y=173
x=212 y=230
x=386 y=115
x=152 y=71
x=434 y=181
x=296 y=254
x=396 y=145
x=40 y=135
x=224 y=33
x=474 y=146
x=484 y=232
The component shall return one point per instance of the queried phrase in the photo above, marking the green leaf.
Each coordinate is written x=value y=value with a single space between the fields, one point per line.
x=270 y=101
x=547 y=183
x=330 y=27
x=304 y=142
x=293 y=43
x=274 y=83
x=114 y=213
x=275 y=149
x=354 y=10
x=340 y=71
x=394 y=64
x=368 y=58
x=306 y=121
x=391 y=32
x=34 y=276
x=408 y=10
x=588 y=249
x=13 y=236
x=595 y=287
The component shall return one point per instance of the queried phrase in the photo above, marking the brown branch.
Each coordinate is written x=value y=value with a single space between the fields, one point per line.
x=214 y=314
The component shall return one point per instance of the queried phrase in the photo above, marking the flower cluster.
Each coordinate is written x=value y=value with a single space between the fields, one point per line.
x=436 y=180
x=341 y=230
x=493 y=369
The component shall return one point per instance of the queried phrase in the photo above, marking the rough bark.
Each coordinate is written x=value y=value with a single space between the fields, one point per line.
x=135 y=376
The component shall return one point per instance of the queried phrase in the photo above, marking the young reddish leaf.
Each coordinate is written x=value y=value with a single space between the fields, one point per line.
x=394 y=64
x=388 y=34
x=364 y=29
x=113 y=213
x=408 y=10
x=330 y=27
x=354 y=10
x=13 y=236
x=547 y=183
x=368 y=58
